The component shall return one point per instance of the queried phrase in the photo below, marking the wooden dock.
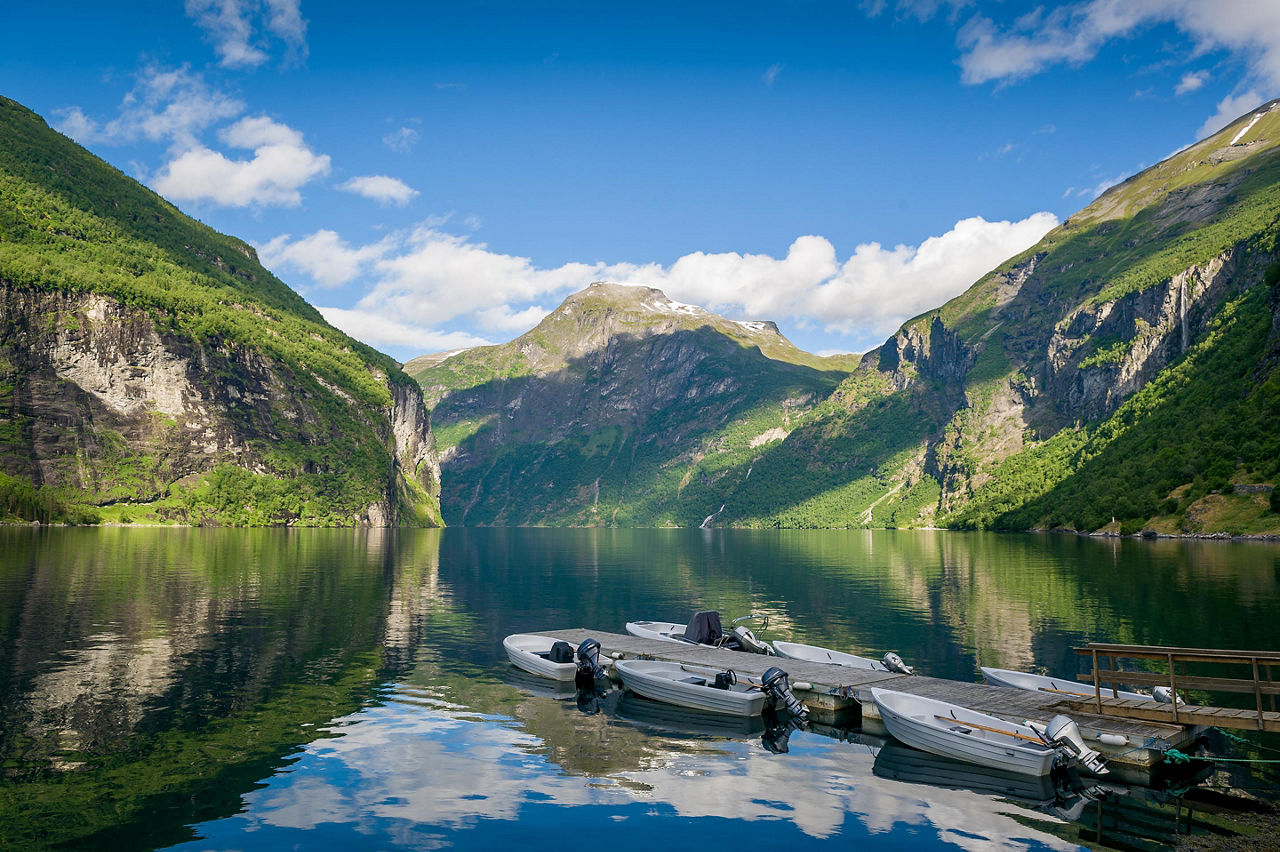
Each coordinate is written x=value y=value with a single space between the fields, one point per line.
x=840 y=695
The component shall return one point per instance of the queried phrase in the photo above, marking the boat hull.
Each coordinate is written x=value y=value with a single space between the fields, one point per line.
x=666 y=631
x=672 y=683
x=913 y=719
x=525 y=651
x=817 y=654
x=1057 y=686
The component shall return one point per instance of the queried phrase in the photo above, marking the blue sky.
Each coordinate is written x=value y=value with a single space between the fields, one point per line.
x=434 y=176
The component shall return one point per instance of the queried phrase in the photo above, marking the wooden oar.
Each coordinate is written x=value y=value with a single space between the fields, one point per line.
x=965 y=724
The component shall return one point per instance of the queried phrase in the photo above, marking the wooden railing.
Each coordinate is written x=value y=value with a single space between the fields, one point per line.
x=1262 y=666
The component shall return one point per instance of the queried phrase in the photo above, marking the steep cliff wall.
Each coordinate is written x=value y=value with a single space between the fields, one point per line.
x=152 y=368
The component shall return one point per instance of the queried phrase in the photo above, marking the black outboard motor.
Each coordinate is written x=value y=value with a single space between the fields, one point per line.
x=777 y=685
x=589 y=659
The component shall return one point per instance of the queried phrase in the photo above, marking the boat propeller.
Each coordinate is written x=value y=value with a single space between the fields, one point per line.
x=589 y=658
x=1063 y=735
x=777 y=685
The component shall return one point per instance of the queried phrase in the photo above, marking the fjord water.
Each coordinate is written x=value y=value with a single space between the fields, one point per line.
x=233 y=689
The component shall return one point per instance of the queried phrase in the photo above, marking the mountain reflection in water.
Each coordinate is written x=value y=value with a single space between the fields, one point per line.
x=254 y=689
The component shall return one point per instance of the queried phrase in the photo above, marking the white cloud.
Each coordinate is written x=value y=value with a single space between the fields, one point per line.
x=281 y=164
x=323 y=256
x=430 y=279
x=1229 y=109
x=383 y=189
x=401 y=141
x=771 y=73
x=378 y=330
x=1075 y=33
x=1191 y=82
x=173 y=105
x=233 y=28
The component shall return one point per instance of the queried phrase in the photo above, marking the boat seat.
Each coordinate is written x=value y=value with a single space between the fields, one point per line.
x=700 y=681
x=960 y=729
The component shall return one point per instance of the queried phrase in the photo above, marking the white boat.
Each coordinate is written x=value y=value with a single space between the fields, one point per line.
x=532 y=653
x=816 y=654
x=1057 y=686
x=667 y=631
x=950 y=730
x=704 y=629
x=689 y=686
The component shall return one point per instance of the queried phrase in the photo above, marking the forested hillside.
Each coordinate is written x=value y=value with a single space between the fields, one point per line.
x=151 y=369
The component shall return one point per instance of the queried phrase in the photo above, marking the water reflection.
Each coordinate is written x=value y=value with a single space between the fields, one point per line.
x=255 y=684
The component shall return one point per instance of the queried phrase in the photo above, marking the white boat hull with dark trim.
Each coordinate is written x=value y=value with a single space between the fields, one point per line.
x=529 y=652
x=689 y=686
x=817 y=654
x=1054 y=685
x=953 y=731
x=667 y=631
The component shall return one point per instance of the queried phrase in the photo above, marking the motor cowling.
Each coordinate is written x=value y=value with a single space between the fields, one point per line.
x=1063 y=735
x=894 y=663
x=748 y=641
x=777 y=685
x=1164 y=695
x=589 y=658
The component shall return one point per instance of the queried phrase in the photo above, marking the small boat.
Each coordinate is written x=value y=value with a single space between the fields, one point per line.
x=691 y=686
x=1058 y=686
x=533 y=653
x=704 y=629
x=816 y=654
x=950 y=730
x=553 y=658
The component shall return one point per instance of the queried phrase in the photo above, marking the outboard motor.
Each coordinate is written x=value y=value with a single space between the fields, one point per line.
x=894 y=663
x=589 y=658
x=1062 y=734
x=1164 y=695
x=748 y=641
x=777 y=685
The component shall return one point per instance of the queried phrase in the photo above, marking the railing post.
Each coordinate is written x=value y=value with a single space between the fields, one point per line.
x=1173 y=688
x=1115 y=687
x=1257 y=691
x=1097 y=685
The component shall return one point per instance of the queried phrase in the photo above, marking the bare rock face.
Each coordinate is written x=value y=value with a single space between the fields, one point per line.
x=105 y=402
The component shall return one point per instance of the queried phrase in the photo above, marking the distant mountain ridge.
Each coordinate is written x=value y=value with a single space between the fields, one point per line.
x=1119 y=376
x=618 y=408
x=152 y=370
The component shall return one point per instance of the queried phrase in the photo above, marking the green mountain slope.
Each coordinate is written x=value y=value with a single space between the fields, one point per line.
x=1124 y=368
x=1121 y=375
x=621 y=408
x=151 y=368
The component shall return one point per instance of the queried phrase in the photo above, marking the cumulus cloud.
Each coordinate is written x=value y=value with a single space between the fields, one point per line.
x=1075 y=33
x=383 y=189
x=379 y=330
x=164 y=105
x=241 y=30
x=428 y=279
x=1191 y=82
x=281 y=164
x=1229 y=109
x=323 y=256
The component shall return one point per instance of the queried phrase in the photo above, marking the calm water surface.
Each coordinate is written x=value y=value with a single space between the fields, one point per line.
x=216 y=689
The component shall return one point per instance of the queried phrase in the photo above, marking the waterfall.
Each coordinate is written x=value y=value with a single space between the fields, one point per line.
x=709 y=518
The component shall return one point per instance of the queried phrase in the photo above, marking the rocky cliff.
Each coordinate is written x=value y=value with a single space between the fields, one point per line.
x=151 y=369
